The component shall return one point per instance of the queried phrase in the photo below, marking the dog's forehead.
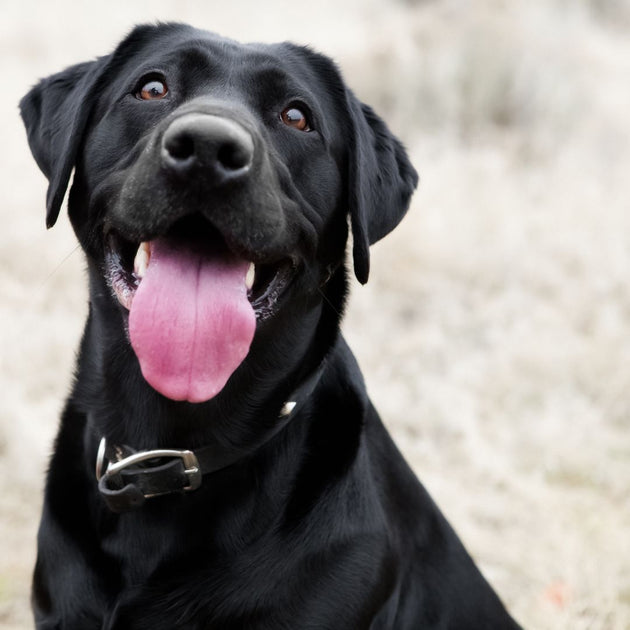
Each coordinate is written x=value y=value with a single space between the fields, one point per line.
x=204 y=54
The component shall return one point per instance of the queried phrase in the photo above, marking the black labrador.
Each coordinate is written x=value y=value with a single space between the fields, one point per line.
x=219 y=464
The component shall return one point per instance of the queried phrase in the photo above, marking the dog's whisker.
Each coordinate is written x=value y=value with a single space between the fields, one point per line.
x=59 y=265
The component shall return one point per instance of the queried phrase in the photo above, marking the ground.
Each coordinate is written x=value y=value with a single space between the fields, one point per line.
x=494 y=333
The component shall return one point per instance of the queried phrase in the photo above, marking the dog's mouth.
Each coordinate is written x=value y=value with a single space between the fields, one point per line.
x=193 y=305
x=127 y=262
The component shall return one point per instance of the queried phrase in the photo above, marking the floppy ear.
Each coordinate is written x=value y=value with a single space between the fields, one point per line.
x=381 y=180
x=55 y=113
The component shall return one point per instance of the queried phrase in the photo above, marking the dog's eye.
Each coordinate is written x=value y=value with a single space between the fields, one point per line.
x=296 y=118
x=152 y=90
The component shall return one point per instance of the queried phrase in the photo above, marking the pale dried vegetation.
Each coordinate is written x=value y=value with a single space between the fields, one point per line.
x=495 y=331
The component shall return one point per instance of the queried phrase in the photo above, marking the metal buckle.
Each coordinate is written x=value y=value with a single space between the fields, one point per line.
x=189 y=460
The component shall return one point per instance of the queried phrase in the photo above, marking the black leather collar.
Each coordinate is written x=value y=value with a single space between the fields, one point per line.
x=127 y=478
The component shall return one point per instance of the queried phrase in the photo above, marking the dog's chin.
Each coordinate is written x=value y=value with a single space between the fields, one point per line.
x=191 y=305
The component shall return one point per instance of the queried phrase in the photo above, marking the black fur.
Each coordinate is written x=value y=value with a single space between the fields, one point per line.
x=324 y=525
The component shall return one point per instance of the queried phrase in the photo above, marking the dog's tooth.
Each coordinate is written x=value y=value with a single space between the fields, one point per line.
x=141 y=261
x=250 y=277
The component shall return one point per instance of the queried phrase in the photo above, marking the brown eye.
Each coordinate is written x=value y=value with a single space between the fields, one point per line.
x=294 y=117
x=153 y=90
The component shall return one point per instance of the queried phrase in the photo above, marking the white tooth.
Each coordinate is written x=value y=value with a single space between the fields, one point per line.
x=141 y=261
x=250 y=277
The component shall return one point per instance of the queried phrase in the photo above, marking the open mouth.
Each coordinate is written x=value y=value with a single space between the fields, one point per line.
x=127 y=262
x=193 y=305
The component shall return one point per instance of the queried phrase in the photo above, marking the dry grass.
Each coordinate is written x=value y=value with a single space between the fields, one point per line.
x=495 y=330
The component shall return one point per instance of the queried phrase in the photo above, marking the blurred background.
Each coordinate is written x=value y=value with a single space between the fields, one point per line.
x=495 y=330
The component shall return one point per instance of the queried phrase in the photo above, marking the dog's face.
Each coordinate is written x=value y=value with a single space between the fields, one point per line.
x=212 y=190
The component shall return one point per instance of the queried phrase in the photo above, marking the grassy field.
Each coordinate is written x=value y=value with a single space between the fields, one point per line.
x=495 y=330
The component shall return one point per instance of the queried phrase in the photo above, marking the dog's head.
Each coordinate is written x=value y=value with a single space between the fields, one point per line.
x=213 y=185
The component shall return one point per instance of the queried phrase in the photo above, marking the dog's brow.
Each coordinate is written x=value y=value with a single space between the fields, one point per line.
x=193 y=55
x=274 y=77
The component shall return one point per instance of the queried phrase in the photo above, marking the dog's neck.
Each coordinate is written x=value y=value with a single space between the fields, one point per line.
x=124 y=409
x=127 y=477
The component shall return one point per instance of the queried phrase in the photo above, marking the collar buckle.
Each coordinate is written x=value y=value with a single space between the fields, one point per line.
x=189 y=460
x=126 y=483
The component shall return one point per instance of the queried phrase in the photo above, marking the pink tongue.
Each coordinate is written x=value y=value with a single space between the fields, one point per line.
x=190 y=322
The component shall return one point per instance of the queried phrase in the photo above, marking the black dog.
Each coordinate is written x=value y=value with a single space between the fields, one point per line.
x=244 y=479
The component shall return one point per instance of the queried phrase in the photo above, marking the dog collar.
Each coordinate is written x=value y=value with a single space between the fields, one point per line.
x=127 y=477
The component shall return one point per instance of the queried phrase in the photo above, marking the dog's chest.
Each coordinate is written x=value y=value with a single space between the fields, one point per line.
x=139 y=546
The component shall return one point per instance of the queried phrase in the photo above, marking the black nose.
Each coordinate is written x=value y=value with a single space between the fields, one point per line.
x=204 y=145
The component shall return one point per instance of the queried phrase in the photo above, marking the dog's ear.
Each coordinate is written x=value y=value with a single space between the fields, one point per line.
x=381 y=180
x=55 y=113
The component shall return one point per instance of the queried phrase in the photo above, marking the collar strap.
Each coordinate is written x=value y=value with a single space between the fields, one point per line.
x=131 y=477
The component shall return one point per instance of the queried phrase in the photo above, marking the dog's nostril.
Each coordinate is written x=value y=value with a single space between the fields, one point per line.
x=180 y=146
x=234 y=156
